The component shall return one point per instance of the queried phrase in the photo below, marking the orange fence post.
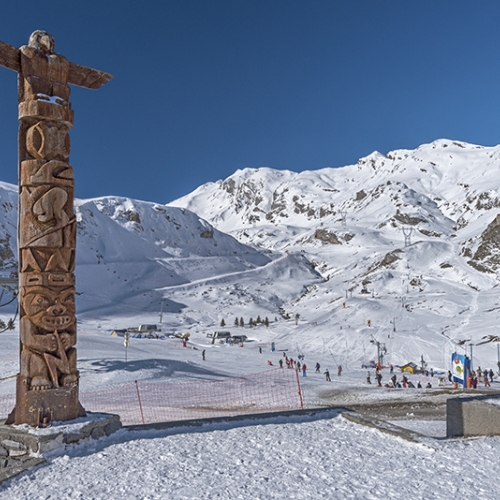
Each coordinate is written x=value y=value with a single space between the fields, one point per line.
x=139 y=398
x=300 y=391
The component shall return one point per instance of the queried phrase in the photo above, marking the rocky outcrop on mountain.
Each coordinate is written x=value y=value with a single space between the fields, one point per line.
x=326 y=236
x=486 y=258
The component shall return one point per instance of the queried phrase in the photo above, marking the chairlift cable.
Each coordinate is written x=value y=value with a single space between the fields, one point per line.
x=14 y=297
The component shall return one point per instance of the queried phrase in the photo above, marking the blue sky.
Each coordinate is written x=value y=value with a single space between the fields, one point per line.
x=202 y=88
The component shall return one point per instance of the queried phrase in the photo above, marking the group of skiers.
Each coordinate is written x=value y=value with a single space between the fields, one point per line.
x=327 y=372
x=301 y=367
x=292 y=364
x=378 y=377
x=479 y=375
x=485 y=376
x=394 y=382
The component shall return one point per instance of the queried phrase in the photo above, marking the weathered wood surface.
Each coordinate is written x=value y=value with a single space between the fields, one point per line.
x=87 y=77
x=81 y=76
x=47 y=384
x=9 y=57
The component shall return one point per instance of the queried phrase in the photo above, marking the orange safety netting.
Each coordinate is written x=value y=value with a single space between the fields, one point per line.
x=170 y=400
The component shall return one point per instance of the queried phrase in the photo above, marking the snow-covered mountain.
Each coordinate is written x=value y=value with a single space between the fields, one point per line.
x=127 y=249
x=443 y=190
x=411 y=238
x=444 y=195
x=407 y=240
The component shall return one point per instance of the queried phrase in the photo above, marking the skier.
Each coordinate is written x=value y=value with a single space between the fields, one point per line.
x=339 y=373
x=327 y=375
x=281 y=363
x=304 y=368
x=486 y=380
x=449 y=376
x=318 y=366
x=203 y=354
x=368 y=379
x=491 y=374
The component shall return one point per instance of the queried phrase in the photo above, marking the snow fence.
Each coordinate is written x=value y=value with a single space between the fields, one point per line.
x=149 y=402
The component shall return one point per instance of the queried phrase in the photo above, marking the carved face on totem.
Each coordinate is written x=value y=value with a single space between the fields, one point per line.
x=43 y=41
x=50 y=310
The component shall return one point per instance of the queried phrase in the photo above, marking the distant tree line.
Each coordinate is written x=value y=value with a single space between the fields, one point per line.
x=251 y=322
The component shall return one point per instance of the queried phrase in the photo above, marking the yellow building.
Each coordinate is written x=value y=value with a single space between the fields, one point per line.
x=409 y=368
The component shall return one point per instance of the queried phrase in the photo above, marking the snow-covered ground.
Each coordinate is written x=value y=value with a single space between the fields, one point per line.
x=295 y=458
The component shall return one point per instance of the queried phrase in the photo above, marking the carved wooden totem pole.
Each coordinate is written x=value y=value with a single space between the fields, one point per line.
x=47 y=384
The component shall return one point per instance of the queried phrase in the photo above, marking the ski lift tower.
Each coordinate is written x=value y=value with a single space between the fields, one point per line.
x=423 y=363
x=343 y=214
x=381 y=350
x=407 y=231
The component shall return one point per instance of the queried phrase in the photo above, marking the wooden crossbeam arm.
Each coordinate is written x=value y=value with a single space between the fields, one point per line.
x=9 y=57
x=79 y=75
x=87 y=77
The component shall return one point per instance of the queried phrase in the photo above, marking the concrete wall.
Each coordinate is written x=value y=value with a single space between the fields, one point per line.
x=473 y=416
x=22 y=447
